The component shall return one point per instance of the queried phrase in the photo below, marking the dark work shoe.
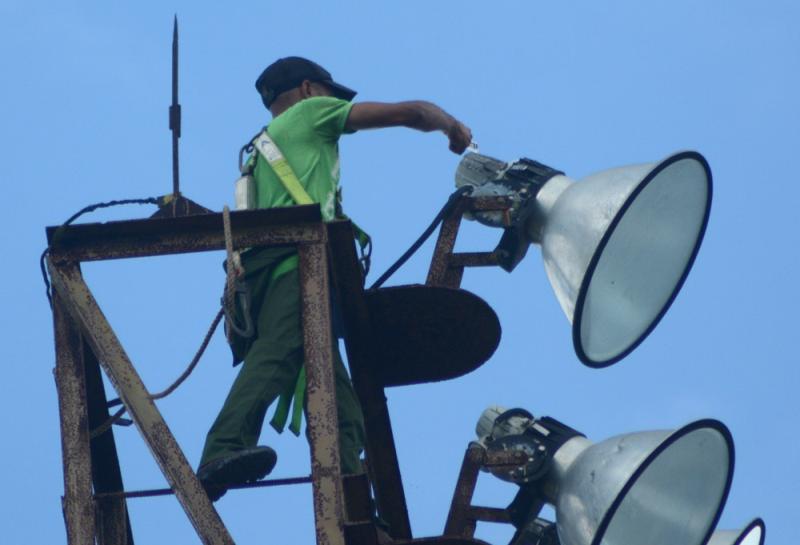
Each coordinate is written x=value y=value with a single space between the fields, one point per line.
x=243 y=466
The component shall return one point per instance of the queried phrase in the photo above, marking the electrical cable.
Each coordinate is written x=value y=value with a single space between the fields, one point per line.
x=117 y=416
x=451 y=201
x=76 y=215
x=102 y=428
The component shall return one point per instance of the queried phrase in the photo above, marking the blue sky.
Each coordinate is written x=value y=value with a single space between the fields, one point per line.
x=581 y=86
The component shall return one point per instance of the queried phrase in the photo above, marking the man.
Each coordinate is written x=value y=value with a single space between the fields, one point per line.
x=310 y=112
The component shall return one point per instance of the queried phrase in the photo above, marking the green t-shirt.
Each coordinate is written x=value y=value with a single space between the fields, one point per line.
x=308 y=135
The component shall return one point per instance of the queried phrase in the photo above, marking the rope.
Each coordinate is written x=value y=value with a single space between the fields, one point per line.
x=104 y=427
x=451 y=202
x=232 y=258
x=232 y=271
x=200 y=351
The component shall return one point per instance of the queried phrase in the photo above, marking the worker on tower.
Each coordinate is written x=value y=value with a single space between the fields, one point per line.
x=310 y=112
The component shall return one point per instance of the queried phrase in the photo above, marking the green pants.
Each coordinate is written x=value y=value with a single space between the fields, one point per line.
x=272 y=363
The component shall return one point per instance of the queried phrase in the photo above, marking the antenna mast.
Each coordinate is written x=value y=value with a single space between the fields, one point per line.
x=175 y=204
x=175 y=113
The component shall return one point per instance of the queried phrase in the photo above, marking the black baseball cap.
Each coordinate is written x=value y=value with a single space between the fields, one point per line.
x=289 y=72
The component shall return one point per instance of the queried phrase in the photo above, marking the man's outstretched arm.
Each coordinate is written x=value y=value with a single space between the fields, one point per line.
x=416 y=114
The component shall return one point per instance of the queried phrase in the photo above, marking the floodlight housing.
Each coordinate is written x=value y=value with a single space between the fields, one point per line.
x=617 y=245
x=654 y=487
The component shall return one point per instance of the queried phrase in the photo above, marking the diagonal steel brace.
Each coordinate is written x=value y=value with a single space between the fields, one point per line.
x=85 y=312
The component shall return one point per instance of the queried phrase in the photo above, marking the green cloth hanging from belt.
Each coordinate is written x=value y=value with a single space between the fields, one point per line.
x=282 y=409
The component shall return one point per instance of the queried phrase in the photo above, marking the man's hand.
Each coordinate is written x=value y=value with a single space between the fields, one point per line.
x=459 y=136
x=417 y=114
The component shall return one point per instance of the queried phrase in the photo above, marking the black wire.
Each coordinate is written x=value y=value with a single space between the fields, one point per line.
x=451 y=201
x=76 y=215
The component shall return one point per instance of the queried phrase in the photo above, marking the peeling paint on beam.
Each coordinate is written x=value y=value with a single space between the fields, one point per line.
x=322 y=418
x=199 y=233
x=79 y=302
x=77 y=503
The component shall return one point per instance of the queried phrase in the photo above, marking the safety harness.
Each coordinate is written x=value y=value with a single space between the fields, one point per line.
x=245 y=198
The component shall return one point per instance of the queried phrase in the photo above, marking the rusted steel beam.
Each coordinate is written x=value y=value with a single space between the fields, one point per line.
x=113 y=523
x=357 y=498
x=473 y=259
x=78 y=507
x=463 y=515
x=488 y=204
x=79 y=302
x=489 y=514
x=459 y=522
x=322 y=418
x=447 y=267
x=362 y=533
x=198 y=233
x=381 y=452
x=440 y=272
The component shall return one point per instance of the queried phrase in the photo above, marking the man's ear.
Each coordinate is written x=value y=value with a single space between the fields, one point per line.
x=306 y=90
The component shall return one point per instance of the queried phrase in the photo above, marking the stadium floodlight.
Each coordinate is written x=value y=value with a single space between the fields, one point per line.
x=617 y=245
x=654 y=487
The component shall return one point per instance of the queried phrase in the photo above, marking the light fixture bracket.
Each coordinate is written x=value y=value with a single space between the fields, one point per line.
x=517 y=430
x=520 y=181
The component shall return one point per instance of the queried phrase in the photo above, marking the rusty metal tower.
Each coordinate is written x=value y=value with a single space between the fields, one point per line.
x=395 y=336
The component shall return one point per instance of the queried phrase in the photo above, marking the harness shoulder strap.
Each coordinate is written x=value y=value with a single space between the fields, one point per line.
x=270 y=151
